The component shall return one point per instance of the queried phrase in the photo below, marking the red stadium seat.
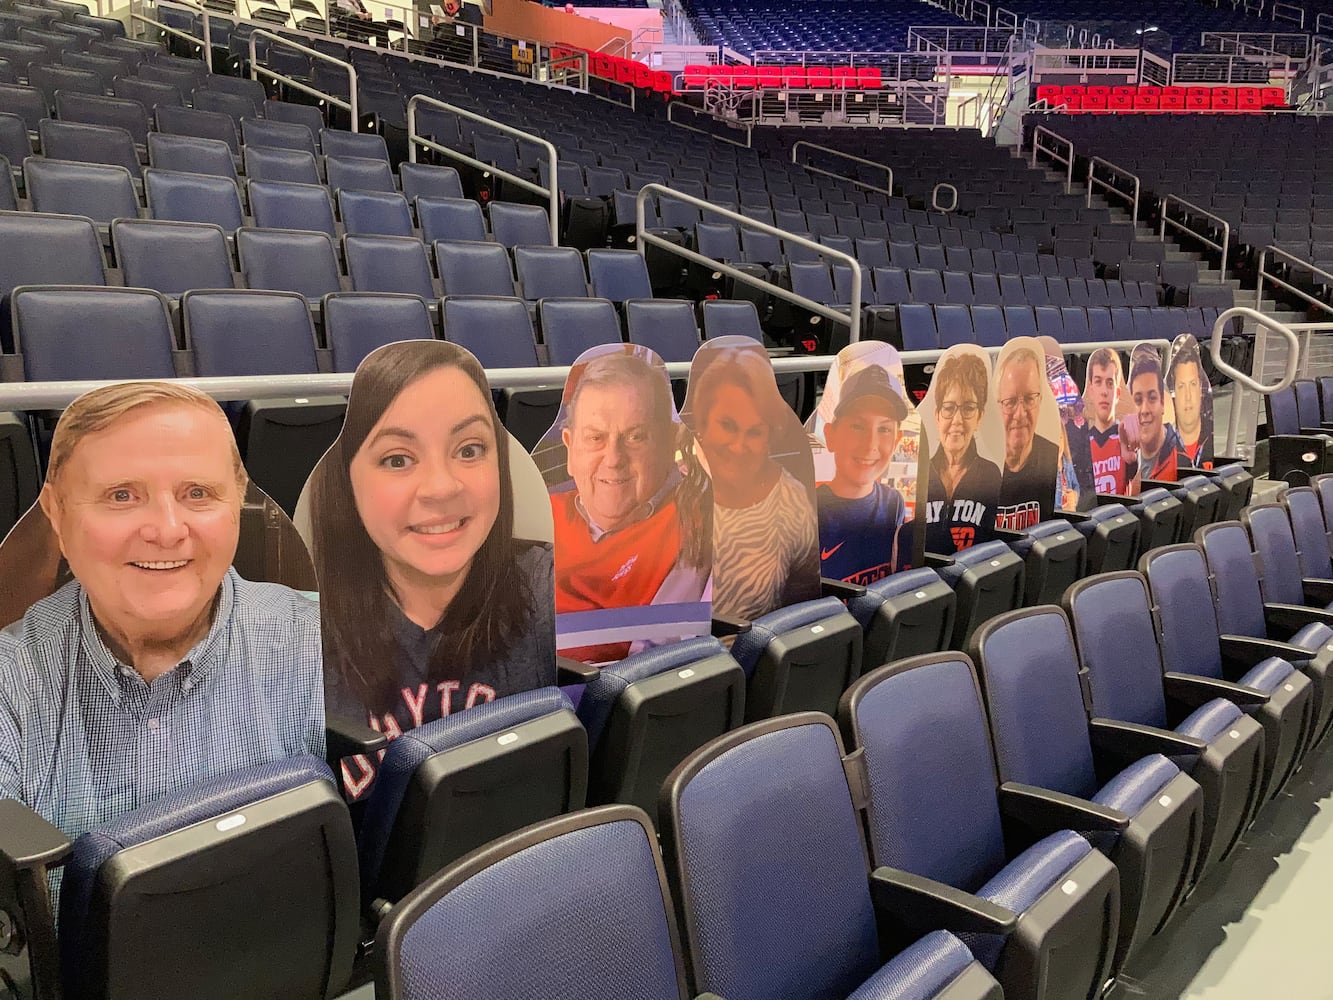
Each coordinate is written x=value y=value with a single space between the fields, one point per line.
x=1049 y=92
x=1224 y=98
x=869 y=77
x=1086 y=98
x=1173 y=99
x=1198 y=98
x=793 y=77
x=844 y=77
x=1273 y=97
x=1148 y=98
x=744 y=78
x=1249 y=99
x=1121 y=99
x=695 y=75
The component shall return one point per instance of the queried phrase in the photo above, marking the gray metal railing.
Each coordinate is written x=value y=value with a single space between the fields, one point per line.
x=644 y=239
x=551 y=194
x=255 y=69
x=1067 y=158
x=1109 y=188
x=204 y=21
x=1264 y=275
x=703 y=112
x=935 y=197
x=888 y=170
x=1202 y=237
x=1242 y=380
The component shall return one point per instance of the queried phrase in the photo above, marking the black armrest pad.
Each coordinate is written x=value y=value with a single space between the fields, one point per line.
x=1073 y=516
x=1158 y=484
x=348 y=738
x=1105 y=498
x=29 y=841
x=1005 y=535
x=1221 y=460
x=1318 y=590
x=723 y=626
x=1130 y=738
x=936 y=560
x=929 y=905
x=1314 y=431
x=1295 y=616
x=1195 y=691
x=843 y=590
x=569 y=671
x=1249 y=652
x=1047 y=812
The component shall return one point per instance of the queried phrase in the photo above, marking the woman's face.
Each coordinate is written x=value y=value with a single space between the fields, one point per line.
x=426 y=480
x=957 y=417
x=734 y=437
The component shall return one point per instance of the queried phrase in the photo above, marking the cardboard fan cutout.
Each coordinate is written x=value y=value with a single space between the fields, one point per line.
x=1192 y=397
x=1030 y=419
x=432 y=545
x=632 y=510
x=1111 y=424
x=757 y=455
x=866 y=440
x=1159 y=444
x=1075 y=488
x=965 y=444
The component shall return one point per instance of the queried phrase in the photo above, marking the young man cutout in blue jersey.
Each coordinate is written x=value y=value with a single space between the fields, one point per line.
x=859 y=516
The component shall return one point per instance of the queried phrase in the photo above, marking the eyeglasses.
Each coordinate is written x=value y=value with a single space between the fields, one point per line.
x=969 y=411
x=1028 y=401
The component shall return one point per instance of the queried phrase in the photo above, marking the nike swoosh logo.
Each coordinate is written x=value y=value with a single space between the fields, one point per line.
x=828 y=553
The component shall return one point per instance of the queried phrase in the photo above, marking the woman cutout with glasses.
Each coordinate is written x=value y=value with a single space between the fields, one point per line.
x=963 y=488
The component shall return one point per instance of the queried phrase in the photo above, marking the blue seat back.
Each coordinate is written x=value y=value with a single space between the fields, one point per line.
x=190 y=155
x=421 y=179
x=1182 y=595
x=388 y=264
x=249 y=333
x=548 y=272
x=274 y=163
x=1312 y=537
x=619 y=275
x=1307 y=402
x=666 y=326
x=278 y=135
x=723 y=318
x=284 y=260
x=378 y=213
x=283 y=205
x=571 y=326
x=89 y=144
x=171 y=257
x=1231 y=565
x=99 y=192
x=451 y=219
x=356 y=323
x=93 y=333
x=180 y=197
x=1270 y=531
x=38 y=249
x=474 y=269
x=337 y=142
x=1283 y=417
x=358 y=173
x=202 y=124
x=519 y=225
x=1038 y=723
x=917 y=323
x=1117 y=643
x=496 y=329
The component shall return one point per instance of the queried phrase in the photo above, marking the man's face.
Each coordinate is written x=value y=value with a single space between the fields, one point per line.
x=1146 y=392
x=735 y=438
x=1020 y=398
x=1101 y=393
x=148 y=516
x=619 y=454
x=1189 y=397
x=862 y=441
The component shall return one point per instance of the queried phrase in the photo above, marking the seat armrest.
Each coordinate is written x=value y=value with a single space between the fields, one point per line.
x=29 y=846
x=1073 y=516
x=936 y=560
x=1005 y=535
x=348 y=738
x=1318 y=590
x=1195 y=691
x=29 y=841
x=1045 y=812
x=1315 y=431
x=569 y=671
x=843 y=590
x=1295 y=616
x=1129 y=739
x=927 y=905
x=1157 y=484
x=1245 y=651
x=1120 y=498
x=724 y=626
x=1221 y=460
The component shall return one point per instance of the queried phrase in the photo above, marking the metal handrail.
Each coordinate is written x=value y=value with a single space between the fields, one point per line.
x=887 y=189
x=747 y=126
x=1069 y=163
x=935 y=198
x=1290 y=258
x=1093 y=179
x=552 y=194
x=1202 y=238
x=644 y=238
x=1241 y=379
x=204 y=14
x=177 y=33
x=256 y=69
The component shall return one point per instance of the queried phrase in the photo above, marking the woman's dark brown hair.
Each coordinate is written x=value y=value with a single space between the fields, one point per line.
x=358 y=602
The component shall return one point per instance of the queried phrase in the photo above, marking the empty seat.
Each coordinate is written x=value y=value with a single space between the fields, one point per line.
x=283 y=260
x=265 y=163
x=987 y=579
x=377 y=213
x=452 y=219
x=280 y=205
x=99 y=192
x=356 y=323
x=474 y=269
x=181 y=197
x=904 y=614
x=187 y=154
x=201 y=124
x=619 y=275
x=420 y=179
x=171 y=257
x=358 y=173
x=102 y=110
x=234 y=106
x=89 y=144
x=388 y=264
x=68 y=333
x=519 y=225
x=337 y=142
x=665 y=326
x=48 y=250
x=277 y=135
x=571 y=326
x=550 y=272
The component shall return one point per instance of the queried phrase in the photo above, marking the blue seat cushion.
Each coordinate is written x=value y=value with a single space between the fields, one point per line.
x=918 y=972
x=1134 y=787
x=1210 y=720
x=863 y=608
x=1023 y=881
x=749 y=646
x=1099 y=515
x=1042 y=529
x=176 y=811
x=1267 y=674
x=1147 y=497
x=601 y=694
x=968 y=558
x=1313 y=635
x=407 y=752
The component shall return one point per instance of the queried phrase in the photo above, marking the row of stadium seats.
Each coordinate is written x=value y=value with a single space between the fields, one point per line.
x=744 y=77
x=1146 y=97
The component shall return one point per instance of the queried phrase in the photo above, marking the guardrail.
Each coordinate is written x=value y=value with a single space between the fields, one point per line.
x=1204 y=238
x=644 y=239
x=1242 y=379
x=1108 y=188
x=552 y=194
x=729 y=122
x=255 y=69
x=935 y=197
x=1277 y=253
x=1054 y=154
x=178 y=33
x=1294 y=44
x=888 y=170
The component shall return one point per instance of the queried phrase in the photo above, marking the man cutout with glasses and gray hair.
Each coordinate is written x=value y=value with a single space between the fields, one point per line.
x=1027 y=481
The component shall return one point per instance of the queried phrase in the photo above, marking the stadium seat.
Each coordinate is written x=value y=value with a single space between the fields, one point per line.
x=180 y=197
x=450 y=219
x=359 y=173
x=199 y=124
x=234 y=106
x=152 y=94
x=665 y=326
x=1054 y=556
x=171 y=257
x=284 y=260
x=905 y=614
x=72 y=332
x=295 y=166
x=474 y=269
x=1113 y=534
x=550 y=272
x=619 y=275
x=570 y=326
x=97 y=191
x=1145 y=812
x=419 y=179
x=388 y=264
x=89 y=144
x=280 y=205
x=356 y=323
x=338 y=142
x=38 y=249
x=519 y=225
x=277 y=135
x=187 y=154
x=298 y=114
x=936 y=817
x=1279 y=697
x=1159 y=515
x=987 y=579
x=374 y=213
x=98 y=109
x=1314 y=543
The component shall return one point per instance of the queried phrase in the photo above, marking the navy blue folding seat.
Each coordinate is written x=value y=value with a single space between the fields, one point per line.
x=519 y=225
x=955 y=325
x=8 y=192
x=99 y=109
x=337 y=142
x=1049 y=322
x=1314 y=543
x=200 y=124
x=420 y=179
x=666 y=326
x=235 y=106
x=89 y=144
x=39 y=249
x=550 y=272
x=618 y=275
x=936 y=815
x=813 y=932
x=452 y=219
x=988 y=325
x=273 y=163
x=916 y=324
x=152 y=94
x=987 y=579
x=299 y=114
x=388 y=264
x=571 y=326
x=99 y=192
x=286 y=260
x=171 y=257
x=1117 y=643
x=904 y=614
x=474 y=269
x=113 y=874
x=1054 y=555
x=359 y=173
x=872 y=252
x=931 y=257
x=277 y=134
x=927 y=286
x=181 y=197
x=1112 y=532
x=78 y=332
x=1099 y=324
x=1020 y=321
x=357 y=323
x=374 y=213
x=187 y=154
x=50 y=77
x=1146 y=813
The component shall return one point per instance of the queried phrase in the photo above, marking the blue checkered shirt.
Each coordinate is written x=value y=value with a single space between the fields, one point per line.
x=83 y=738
